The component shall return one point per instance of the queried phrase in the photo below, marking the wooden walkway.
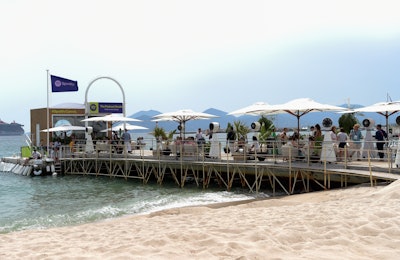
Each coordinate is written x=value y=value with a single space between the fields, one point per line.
x=274 y=173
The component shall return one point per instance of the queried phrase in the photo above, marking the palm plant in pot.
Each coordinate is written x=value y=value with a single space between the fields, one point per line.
x=241 y=131
x=266 y=137
x=162 y=139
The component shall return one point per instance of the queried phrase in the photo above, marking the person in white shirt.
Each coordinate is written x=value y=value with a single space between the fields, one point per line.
x=36 y=154
x=342 y=140
x=255 y=147
x=199 y=137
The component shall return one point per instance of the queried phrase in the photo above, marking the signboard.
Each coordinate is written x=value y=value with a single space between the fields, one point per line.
x=67 y=111
x=105 y=108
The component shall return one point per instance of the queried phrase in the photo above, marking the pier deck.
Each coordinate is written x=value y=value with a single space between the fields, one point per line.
x=273 y=173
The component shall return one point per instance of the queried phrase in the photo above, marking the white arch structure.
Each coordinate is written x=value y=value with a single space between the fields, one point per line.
x=89 y=147
x=96 y=79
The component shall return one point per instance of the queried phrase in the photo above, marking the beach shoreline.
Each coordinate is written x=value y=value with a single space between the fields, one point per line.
x=352 y=223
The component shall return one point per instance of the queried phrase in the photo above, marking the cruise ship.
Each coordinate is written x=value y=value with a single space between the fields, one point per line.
x=11 y=128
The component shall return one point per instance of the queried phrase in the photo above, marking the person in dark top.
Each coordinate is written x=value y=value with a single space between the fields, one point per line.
x=380 y=136
x=230 y=139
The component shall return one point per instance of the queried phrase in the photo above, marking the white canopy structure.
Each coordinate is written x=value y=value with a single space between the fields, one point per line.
x=300 y=107
x=64 y=128
x=383 y=108
x=258 y=108
x=111 y=118
x=182 y=116
x=128 y=127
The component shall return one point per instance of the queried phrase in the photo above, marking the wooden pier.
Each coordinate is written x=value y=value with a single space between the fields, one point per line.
x=272 y=173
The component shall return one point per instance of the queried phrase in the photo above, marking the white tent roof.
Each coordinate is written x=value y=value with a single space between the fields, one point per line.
x=257 y=108
x=64 y=128
x=110 y=118
x=182 y=116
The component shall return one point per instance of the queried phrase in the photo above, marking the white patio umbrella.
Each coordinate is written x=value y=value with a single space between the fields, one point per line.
x=258 y=108
x=64 y=128
x=128 y=127
x=111 y=118
x=182 y=116
x=67 y=129
x=383 y=108
x=300 y=107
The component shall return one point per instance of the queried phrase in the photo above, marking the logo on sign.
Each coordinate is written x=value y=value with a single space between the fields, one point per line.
x=57 y=83
x=93 y=107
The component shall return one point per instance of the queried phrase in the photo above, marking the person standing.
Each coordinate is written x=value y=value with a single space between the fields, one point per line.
x=317 y=132
x=230 y=139
x=355 y=137
x=214 y=148
x=199 y=137
x=255 y=147
x=316 y=144
x=57 y=146
x=334 y=139
x=284 y=136
x=342 y=140
x=72 y=144
x=311 y=133
x=127 y=141
x=333 y=135
x=380 y=136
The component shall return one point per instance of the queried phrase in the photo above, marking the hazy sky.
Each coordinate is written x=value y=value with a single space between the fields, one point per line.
x=170 y=55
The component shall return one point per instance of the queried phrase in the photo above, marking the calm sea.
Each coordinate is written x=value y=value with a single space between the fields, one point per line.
x=43 y=202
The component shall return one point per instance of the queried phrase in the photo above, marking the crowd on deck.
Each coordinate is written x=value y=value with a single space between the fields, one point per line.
x=344 y=146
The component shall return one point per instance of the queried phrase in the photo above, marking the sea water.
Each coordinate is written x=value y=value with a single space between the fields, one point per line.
x=44 y=202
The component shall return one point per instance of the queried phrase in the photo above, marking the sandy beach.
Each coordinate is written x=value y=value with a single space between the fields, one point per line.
x=355 y=223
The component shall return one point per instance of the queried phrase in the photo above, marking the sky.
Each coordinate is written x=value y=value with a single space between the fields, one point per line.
x=171 y=55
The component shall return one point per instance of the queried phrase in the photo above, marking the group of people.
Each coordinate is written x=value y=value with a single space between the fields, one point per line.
x=52 y=151
x=353 y=141
x=124 y=139
x=214 y=146
x=340 y=140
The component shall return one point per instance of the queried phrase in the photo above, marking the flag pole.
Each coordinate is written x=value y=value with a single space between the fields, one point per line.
x=48 y=138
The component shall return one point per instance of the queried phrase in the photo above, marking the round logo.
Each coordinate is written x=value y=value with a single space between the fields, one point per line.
x=93 y=107
x=57 y=83
x=327 y=122
x=366 y=122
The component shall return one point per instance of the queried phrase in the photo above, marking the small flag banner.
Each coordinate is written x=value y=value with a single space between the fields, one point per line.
x=59 y=84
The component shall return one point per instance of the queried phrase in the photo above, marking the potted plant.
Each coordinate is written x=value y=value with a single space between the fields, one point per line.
x=166 y=141
x=160 y=135
x=267 y=144
x=241 y=134
x=163 y=140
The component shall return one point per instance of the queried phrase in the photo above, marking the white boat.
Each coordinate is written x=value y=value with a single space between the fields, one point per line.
x=28 y=166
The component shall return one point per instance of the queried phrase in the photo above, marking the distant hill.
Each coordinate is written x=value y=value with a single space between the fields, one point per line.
x=280 y=120
x=148 y=113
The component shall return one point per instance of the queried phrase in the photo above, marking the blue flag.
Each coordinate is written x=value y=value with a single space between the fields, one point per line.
x=59 y=84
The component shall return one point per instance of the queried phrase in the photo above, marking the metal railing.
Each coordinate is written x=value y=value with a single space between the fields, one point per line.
x=276 y=151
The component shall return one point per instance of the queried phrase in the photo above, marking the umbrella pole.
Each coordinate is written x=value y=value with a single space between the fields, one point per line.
x=182 y=131
x=298 y=130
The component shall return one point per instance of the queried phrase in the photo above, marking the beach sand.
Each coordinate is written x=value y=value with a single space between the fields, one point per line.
x=355 y=223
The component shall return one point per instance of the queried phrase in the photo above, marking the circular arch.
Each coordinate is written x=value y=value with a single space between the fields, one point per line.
x=104 y=77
